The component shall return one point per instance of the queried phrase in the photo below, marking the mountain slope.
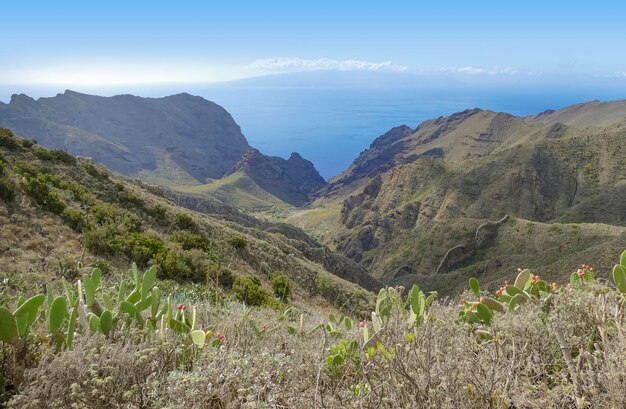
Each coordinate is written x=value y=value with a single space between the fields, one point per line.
x=59 y=213
x=417 y=194
x=180 y=137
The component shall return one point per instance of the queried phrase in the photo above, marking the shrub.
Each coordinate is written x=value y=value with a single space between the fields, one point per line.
x=184 y=221
x=104 y=265
x=97 y=373
x=75 y=219
x=28 y=143
x=178 y=264
x=281 y=287
x=28 y=169
x=159 y=212
x=79 y=192
x=7 y=190
x=54 y=155
x=8 y=140
x=105 y=213
x=129 y=197
x=226 y=278
x=190 y=241
x=143 y=247
x=92 y=170
x=249 y=290
x=37 y=188
x=104 y=240
x=238 y=242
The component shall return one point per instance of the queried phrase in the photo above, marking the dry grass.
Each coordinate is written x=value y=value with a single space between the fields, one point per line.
x=564 y=353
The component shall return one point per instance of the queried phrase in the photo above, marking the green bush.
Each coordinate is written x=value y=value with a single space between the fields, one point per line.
x=226 y=278
x=106 y=213
x=142 y=247
x=238 y=242
x=79 y=192
x=37 y=188
x=111 y=240
x=281 y=287
x=8 y=140
x=159 y=212
x=179 y=264
x=92 y=170
x=75 y=219
x=125 y=196
x=54 y=155
x=185 y=222
x=249 y=290
x=7 y=190
x=28 y=143
x=190 y=241
x=104 y=240
x=104 y=265
x=29 y=169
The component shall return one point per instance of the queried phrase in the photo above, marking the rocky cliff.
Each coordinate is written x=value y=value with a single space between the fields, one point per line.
x=293 y=181
x=179 y=138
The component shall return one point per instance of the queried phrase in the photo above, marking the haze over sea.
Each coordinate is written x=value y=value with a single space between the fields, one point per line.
x=330 y=126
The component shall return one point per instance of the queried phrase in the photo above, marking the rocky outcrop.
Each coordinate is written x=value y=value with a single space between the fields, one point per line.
x=293 y=181
x=364 y=240
x=374 y=161
x=369 y=193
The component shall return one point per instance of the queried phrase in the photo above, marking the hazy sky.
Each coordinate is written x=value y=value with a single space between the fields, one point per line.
x=132 y=42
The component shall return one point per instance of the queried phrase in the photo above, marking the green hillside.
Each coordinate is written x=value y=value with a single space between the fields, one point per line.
x=417 y=194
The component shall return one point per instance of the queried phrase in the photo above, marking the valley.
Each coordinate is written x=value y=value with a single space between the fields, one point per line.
x=417 y=193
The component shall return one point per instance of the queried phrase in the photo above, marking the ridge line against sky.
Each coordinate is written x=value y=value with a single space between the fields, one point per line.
x=87 y=43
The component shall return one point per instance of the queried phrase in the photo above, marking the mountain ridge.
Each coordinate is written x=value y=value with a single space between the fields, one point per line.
x=176 y=140
x=435 y=184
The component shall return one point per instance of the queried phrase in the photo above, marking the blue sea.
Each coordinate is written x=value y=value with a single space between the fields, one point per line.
x=331 y=126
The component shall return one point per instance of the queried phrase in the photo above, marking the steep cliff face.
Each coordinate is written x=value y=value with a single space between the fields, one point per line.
x=293 y=181
x=179 y=138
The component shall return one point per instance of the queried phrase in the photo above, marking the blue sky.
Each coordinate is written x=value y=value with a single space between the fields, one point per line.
x=133 y=42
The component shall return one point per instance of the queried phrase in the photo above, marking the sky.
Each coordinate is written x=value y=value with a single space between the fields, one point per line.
x=99 y=43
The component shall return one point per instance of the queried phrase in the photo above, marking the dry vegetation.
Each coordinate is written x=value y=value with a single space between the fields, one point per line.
x=563 y=348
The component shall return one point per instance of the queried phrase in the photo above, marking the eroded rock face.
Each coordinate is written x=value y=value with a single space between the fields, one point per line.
x=370 y=192
x=365 y=240
x=294 y=180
